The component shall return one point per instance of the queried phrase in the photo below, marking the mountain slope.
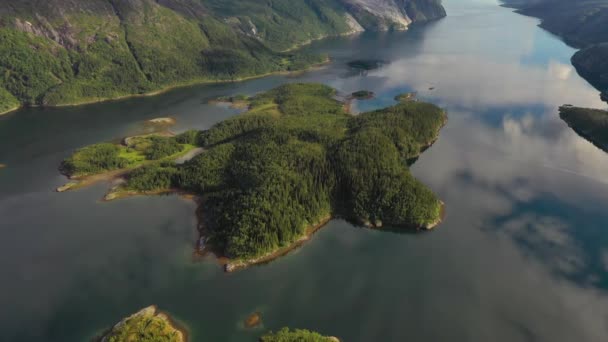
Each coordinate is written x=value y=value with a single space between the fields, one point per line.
x=56 y=52
x=582 y=24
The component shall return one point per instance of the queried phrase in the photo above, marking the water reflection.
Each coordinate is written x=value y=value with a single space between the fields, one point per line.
x=522 y=255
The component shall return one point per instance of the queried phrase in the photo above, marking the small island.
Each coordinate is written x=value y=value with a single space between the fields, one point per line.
x=253 y=321
x=297 y=335
x=147 y=325
x=591 y=124
x=272 y=176
x=363 y=95
x=405 y=97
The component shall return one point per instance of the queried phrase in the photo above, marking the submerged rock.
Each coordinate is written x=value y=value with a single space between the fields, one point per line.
x=67 y=187
x=253 y=320
x=163 y=121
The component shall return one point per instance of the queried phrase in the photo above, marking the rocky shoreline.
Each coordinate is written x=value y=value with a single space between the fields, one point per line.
x=176 y=86
x=155 y=323
x=235 y=265
x=10 y=110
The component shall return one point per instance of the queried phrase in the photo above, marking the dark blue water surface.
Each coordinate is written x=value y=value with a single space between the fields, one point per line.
x=522 y=254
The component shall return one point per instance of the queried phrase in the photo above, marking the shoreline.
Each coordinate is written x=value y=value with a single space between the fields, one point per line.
x=525 y=11
x=174 y=87
x=175 y=324
x=10 y=110
x=153 y=312
x=232 y=266
x=76 y=182
x=117 y=191
x=439 y=221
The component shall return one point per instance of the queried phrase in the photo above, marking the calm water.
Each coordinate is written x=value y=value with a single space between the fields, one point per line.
x=522 y=255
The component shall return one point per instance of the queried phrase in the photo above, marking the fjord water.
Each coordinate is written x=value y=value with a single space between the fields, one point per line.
x=522 y=254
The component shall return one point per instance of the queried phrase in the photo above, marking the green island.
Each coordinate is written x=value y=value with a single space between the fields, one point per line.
x=296 y=335
x=272 y=176
x=146 y=325
x=405 y=97
x=591 y=124
x=363 y=95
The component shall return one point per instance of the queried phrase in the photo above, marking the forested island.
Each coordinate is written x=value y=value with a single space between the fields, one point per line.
x=270 y=177
x=592 y=124
x=362 y=95
x=65 y=52
x=146 y=325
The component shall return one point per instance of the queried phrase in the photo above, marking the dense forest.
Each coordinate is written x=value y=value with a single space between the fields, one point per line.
x=592 y=124
x=292 y=160
x=56 y=52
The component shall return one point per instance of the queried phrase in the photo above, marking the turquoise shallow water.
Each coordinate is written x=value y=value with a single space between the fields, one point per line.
x=522 y=254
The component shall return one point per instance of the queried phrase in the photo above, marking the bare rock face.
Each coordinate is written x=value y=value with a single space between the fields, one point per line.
x=388 y=11
x=53 y=19
x=394 y=14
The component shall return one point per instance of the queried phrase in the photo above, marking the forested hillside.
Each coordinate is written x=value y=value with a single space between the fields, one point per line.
x=582 y=24
x=56 y=52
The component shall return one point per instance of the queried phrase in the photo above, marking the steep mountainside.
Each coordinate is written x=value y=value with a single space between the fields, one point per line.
x=55 y=52
x=582 y=24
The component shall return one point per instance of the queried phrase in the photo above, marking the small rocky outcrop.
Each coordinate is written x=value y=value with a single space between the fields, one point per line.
x=149 y=324
x=253 y=321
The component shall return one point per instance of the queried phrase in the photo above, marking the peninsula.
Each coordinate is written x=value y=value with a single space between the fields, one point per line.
x=591 y=124
x=270 y=177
